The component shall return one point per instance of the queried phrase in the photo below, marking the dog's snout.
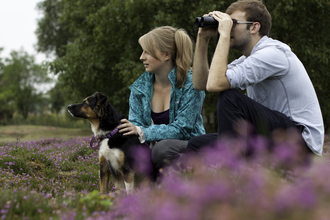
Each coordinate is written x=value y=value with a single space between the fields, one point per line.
x=70 y=109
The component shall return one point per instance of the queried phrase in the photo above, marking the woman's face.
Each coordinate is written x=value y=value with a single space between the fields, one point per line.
x=152 y=64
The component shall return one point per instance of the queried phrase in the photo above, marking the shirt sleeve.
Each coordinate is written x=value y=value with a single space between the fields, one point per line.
x=264 y=63
x=140 y=132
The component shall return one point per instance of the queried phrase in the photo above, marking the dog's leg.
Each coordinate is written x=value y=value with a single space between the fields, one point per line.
x=104 y=175
x=119 y=182
x=129 y=182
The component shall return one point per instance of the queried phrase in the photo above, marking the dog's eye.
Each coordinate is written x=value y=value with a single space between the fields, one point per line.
x=84 y=104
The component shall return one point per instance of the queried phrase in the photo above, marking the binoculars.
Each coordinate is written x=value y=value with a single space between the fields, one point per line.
x=206 y=21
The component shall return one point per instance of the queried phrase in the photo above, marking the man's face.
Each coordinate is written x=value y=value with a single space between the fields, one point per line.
x=240 y=35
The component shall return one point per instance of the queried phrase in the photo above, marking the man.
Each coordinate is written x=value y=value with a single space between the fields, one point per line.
x=280 y=94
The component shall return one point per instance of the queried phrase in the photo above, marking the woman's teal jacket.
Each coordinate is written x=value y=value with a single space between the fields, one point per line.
x=185 y=119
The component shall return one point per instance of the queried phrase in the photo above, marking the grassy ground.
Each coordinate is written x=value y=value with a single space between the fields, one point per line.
x=13 y=133
x=58 y=179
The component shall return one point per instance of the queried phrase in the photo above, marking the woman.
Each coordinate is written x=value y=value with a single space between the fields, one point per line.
x=165 y=109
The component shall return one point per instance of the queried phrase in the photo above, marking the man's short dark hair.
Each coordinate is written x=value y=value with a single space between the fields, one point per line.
x=255 y=11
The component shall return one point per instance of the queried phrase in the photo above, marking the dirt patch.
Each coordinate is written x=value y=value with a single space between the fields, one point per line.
x=36 y=166
x=67 y=173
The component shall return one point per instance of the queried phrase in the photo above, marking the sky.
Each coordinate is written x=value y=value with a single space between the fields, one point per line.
x=18 y=22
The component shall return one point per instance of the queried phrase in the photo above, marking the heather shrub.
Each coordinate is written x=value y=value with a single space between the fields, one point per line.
x=24 y=205
x=67 y=165
x=250 y=177
x=16 y=165
x=81 y=153
x=224 y=182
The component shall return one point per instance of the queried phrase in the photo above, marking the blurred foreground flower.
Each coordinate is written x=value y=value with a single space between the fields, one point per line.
x=223 y=182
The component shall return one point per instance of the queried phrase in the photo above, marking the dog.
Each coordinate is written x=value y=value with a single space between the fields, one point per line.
x=115 y=154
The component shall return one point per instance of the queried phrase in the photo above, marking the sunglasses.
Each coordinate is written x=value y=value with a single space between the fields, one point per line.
x=235 y=22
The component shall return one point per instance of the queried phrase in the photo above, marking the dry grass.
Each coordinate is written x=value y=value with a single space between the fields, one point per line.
x=14 y=133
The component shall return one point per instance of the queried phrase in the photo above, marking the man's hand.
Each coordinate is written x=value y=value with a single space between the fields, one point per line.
x=225 y=22
x=207 y=33
x=127 y=127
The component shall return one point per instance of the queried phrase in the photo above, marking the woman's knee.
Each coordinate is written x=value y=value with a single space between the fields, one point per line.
x=158 y=151
x=163 y=152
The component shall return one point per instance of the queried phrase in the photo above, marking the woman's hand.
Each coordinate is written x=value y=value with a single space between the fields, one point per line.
x=127 y=128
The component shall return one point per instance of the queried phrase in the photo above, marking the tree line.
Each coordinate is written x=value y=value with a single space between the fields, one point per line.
x=19 y=80
x=95 y=42
x=22 y=85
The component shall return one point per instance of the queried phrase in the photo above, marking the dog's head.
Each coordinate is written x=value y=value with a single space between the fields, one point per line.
x=92 y=107
x=98 y=111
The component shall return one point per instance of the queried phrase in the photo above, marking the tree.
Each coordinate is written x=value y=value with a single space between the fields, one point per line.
x=1 y=63
x=19 y=79
x=103 y=52
x=57 y=98
x=6 y=108
x=52 y=35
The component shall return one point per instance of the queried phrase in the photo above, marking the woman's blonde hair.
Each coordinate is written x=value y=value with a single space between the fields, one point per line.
x=174 y=42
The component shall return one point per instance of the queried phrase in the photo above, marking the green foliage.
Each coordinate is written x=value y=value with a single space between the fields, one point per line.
x=35 y=165
x=67 y=166
x=6 y=106
x=57 y=98
x=1 y=63
x=102 y=53
x=41 y=158
x=52 y=35
x=20 y=163
x=81 y=153
x=94 y=201
x=18 y=81
x=27 y=205
x=17 y=165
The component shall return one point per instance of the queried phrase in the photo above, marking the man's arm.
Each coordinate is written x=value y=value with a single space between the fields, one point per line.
x=201 y=66
x=217 y=80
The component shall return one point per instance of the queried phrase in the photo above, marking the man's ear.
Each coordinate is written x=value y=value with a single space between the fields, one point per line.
x=255 y=27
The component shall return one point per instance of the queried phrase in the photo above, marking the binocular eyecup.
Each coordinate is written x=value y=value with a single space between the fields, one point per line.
x=206 y=22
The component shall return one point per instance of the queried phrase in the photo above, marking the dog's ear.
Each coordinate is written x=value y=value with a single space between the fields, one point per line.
x=100 y=97
x=100 y=104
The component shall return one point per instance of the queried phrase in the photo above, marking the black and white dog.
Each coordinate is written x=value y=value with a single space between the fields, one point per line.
x=115 y=153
